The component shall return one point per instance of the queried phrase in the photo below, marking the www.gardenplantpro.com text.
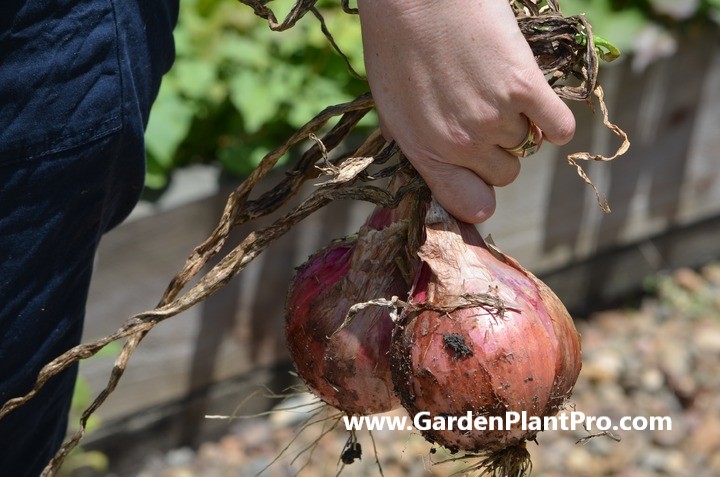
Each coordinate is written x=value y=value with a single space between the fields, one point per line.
x=568 y=421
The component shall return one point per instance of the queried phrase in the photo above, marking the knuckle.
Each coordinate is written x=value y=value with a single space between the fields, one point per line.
x=503 y=173
x=460 y=137
x=507 y=176
x=522 y=85
x=525 y=87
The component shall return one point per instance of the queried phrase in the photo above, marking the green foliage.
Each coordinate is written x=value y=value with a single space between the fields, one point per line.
x=238 y=89
x=619 y=26
x=692 y=293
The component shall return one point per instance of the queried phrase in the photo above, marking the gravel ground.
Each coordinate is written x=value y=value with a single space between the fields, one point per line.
x=659 y=358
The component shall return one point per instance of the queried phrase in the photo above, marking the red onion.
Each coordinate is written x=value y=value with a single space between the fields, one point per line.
x=349 y=367
x=483 y=335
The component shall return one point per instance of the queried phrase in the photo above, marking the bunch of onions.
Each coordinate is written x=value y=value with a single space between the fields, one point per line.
x=346 y=363
x=482 y=335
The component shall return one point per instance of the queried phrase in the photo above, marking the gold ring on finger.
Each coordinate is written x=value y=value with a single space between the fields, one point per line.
x=530 y=144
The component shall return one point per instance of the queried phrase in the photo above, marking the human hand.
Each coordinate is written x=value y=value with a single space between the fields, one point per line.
x=454 y=83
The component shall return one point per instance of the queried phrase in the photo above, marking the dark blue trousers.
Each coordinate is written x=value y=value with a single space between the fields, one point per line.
x=77 y=79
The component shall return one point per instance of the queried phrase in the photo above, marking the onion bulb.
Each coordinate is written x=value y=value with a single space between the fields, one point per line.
x=345 y=364
x=482 y=335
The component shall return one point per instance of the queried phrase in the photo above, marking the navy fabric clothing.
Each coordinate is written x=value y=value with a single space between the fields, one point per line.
x=77 y=79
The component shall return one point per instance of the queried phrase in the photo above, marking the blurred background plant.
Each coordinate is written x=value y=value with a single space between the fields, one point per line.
x=238 y=89
x=649 y=29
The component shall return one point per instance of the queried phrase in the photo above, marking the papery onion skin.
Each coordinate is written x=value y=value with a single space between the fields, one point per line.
x=486 y=336
x=350 y=368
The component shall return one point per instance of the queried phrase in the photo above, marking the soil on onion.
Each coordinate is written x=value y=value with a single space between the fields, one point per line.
x=659 y=357
x=457 y=344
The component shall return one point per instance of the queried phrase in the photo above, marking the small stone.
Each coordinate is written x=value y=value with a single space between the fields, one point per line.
x=179 y=472
x=675 y=463
x=612 y=396
x=579 y=462
x=634 y=472
x=654 y=459
x=232 y=449
x=675 y=359
x=689 y=279
x=673 y=437
x=605 y=365
x=254 y=432
x=209 y=452
x=711 y=273
x=652 y=380
x=288 y=412
x=715 y=464
x=705 y=440
x=707 y=340
x=180 y=457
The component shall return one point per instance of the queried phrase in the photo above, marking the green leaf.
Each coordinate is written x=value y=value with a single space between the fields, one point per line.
x=244 y=51
x=183 y=42
x=241 y=158
x=155 y=176
x=260 y=96
x=714 y=10
x=619 y=27
x=82 y=394
x=194 y=77
x=80 y=460
x=170 y=121
x=316 y=95
x=257 y=97
x=110 y=350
